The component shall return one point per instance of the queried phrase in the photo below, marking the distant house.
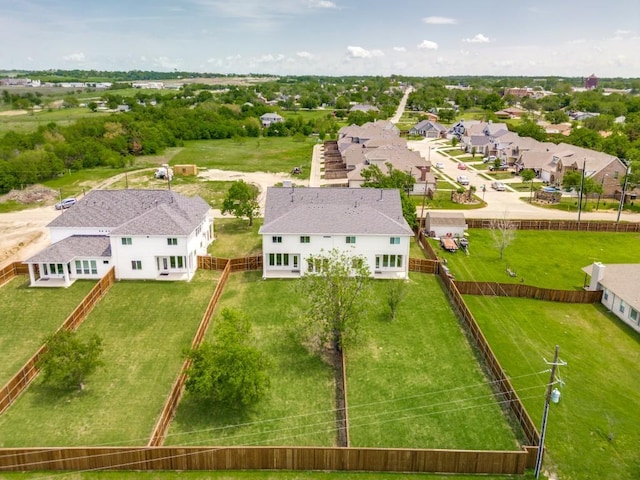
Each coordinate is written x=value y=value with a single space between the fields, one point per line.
x=620 y=292
x=364 y=108
x=302 y=222
x=268 y=118
x=428 y=129
x=443 y=224
x=144 y=234
x=591 y=82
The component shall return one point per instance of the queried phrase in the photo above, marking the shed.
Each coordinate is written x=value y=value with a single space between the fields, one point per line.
x=185 y=169
x=440 y=224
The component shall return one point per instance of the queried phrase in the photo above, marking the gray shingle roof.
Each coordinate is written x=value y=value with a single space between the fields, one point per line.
x=135 y=212
x=622 y=279
x=334 y=211
x=76 y=246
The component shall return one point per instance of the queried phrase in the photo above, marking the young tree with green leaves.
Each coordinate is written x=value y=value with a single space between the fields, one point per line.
x=229 y=371
x=336 y=294
x=68 y=359
x=396 y=294
x=373 y=177
x=528 y=175
x=242 y=201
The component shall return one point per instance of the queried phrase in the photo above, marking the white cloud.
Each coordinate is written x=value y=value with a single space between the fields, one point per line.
x=269 y=58
x=74 y=57
x=359 y=52
x=479 y=38
x=304 y=55
x=428 y=45
x=622 y=32
x=399 y=49
x=166 y=62
x=439 y=21
x=322 y=4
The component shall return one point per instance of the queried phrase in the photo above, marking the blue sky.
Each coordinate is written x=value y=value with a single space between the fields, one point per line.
x=325 y=37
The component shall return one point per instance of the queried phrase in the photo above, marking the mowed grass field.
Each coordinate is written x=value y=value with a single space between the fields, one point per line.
x=263 y=154
x=28 y=315
x=299 y=407
x=414 y=382
x=593 y=432
x=144 y=327
x=549 y=259
x=423 y=389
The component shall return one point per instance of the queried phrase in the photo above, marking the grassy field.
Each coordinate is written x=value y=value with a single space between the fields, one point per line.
x=565 y=253
x=27 y=315
x=31 y=121
x=299 y=407
x=423 y=390
x=144 y=327
x=570 y=204
x=593 y=431
x=265 y=154
x=442 y=200
x=235 y=238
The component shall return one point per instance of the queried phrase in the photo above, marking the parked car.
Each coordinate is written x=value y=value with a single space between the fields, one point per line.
x=462 y=166
x=490 y=158
x=500 y=168
x=499 y=186
x=66 y=203
x=463 y=180
x=440 y=165
x=550 y=189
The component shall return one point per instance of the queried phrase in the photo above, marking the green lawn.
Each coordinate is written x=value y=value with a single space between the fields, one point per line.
x=144 y=326
x=593 y=432
x=550 y=259
x=264 y=154
x=28 y=315
x=299 y=407
x=415 y=383
x=31 y=121
x=569 y=204
x=234 y=238
x=442 y=201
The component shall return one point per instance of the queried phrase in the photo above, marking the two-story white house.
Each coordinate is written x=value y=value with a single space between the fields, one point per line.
x=144 y=234
x=301 y=222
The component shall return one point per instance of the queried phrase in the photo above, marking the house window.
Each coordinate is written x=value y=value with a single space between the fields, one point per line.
x=622 y=306
x=351 y=239
x=278 y=259
x=388 y=261
x=94 y=267
x=356 y=263
x=276 y=239
x=633 y=314
x=85 y=267
x=136 y=264
x=180 y=262
x=305 y=239
x=105 y=262
x=126 y=240
x=606 y=294
x=394 y=240
x=172 y=241
x=78 y=267
x=615 y=174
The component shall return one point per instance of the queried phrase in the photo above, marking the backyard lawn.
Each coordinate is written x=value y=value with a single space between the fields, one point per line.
x=414 y=382
x=144 y=327
x=28 y=315
x=593 y=432
x=235 y=238
x=550 y=259
x=299 y=407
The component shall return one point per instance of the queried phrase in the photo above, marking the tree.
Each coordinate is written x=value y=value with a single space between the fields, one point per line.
x=396 y=294
x=228 y=371
x=503 y=231
x=336 y=290
x=572 y=180
x=68 y=360
x=528 y=175
x=373 y=177
x=242 y=201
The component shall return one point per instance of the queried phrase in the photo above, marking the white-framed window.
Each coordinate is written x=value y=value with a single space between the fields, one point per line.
x=317 y=265
x=279 y=259
x=78 y=267
x=136 y=264
x=388 y=261
x=351 y=239
x=276 y=239
x=623 y=306
x=633 y=314
x=394 y=240
x=606 y=294
x=305 y=239
x=126 y=241
x=172 y=241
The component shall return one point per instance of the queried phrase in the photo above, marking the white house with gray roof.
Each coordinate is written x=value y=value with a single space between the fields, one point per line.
x=144 y=234
x=301 y=222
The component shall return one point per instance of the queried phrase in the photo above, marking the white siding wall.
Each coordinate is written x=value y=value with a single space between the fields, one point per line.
x=144 y=249
x=102 y=268
x=366 y=245
x=614 y=303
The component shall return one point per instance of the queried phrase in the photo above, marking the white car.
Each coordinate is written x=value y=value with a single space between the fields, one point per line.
x=499 y=186
x=463 y=180
x=440 y=165
x=66 y=203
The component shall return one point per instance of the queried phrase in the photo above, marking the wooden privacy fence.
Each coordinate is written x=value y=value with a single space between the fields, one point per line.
x=572 y=225
x=264 y=458
x=21 y=380
x=12 y=270
x=502 y=384
x=171 y=404
x=528 y=291
x=243 y=264
x=422 y=265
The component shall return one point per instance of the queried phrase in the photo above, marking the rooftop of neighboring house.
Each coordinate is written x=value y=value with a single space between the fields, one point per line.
x=622 y=279
x=135 y=212
x=364 y=108
x=428 y=124
x=75 y=246
x=334 y=211
x=594 y=161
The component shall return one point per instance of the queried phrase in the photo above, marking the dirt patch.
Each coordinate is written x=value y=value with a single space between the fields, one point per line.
x=30 y=195
x=12 y=113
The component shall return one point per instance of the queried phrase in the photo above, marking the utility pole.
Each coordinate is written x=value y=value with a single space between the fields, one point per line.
x=584 y=165
x=624 y=192
x=543 y=429
x=424 y=195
